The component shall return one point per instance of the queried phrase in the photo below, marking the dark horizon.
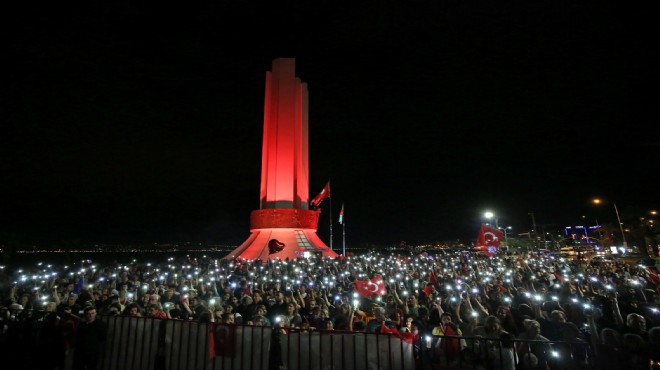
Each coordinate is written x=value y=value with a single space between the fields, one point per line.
x=131 y=125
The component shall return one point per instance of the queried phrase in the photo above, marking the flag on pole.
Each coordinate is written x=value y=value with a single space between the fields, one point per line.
x=341 y=215
x=325 y=193
x=488 y=240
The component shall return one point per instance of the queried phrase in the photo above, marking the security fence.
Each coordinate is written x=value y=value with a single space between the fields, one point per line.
x=137 y=343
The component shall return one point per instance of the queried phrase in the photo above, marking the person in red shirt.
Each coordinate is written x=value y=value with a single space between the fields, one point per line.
x=154 y=311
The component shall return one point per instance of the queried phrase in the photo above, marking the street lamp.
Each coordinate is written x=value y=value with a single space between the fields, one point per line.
x=504 y=229
x=616 y=210
x=490 y=215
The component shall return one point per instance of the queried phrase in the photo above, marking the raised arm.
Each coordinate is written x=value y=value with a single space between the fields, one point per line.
x=185 y=305
x=300 y=298
x=324 y=296
x=351 y=312
x=537 y=310
x=617 y=313
x=578 y=288
x=12 y=294
x=457 y=310
x=595 y=335
x=56 y=297
x=485 y=290
x=396 y=296
x=481 y=308
x=438 y=306
x=641 y=292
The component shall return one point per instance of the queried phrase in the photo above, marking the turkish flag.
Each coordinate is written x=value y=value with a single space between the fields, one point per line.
x=488 y=240
x=407 y=337
x=384 y=329
x=371 y=287
x=428 y=290
x=325 y=193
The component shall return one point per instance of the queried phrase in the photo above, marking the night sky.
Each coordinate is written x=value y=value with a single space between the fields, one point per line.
x=124 y=124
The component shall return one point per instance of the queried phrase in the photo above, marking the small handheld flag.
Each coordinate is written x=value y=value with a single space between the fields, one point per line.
x=371 y=287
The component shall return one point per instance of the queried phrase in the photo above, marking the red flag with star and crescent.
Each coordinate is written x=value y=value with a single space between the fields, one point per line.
x=488 y=240
x=371 y=287
x=325 y=193
x=406 y=337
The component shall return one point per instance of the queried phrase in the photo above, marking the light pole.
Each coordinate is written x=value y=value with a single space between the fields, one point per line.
x=490 y=215
x=506 y=240
x=623 y=235
x=616 y=210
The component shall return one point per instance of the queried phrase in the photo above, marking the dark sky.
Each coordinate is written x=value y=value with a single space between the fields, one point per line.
x=124 y=124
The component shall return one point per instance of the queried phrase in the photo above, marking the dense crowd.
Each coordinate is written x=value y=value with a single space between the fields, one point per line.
x=610 y=308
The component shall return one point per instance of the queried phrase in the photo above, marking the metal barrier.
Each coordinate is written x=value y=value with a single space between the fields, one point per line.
x=454 y=352
x=146 y=343
x=329 y=349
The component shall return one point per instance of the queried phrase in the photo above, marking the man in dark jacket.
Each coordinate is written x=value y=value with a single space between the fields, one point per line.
x=90 y=337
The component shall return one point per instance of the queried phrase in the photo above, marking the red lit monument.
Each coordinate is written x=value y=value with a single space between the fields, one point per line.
x=284 y=226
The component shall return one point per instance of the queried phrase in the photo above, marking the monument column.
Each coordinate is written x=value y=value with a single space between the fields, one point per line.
x=284 y=226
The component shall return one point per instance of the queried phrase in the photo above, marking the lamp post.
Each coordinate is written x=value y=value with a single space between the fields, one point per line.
x=504 y=229
x=616 y=210
x=623 y=235
x=490 y=215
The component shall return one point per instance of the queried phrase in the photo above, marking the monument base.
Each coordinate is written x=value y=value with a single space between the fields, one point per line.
x=294 y=228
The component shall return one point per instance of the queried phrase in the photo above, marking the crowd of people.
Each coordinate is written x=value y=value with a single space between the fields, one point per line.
x=493 y=312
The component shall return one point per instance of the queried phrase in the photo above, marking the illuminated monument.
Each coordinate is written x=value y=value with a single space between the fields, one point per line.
x=284 y=226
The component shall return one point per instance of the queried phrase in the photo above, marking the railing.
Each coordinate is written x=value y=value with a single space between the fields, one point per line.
x=145 y=343
x=454 y=352
x=329 y=349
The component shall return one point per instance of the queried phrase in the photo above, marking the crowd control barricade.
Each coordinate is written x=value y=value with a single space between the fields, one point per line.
x=136 y=343
x=329 y=349
x=152 y=344
x=455 y=352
